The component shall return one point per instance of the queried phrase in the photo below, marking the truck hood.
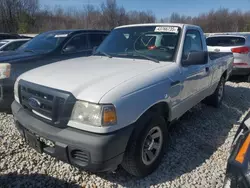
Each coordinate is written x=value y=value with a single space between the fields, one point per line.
x=16 y=55
x=89 y=78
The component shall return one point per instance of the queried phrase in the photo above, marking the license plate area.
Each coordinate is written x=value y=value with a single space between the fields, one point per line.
x=33 y=141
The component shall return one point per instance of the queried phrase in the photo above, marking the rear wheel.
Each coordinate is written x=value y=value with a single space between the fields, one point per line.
x=146 y=148
x=216 y=98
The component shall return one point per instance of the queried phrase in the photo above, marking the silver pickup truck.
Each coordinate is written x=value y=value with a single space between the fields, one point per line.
x=116 y=106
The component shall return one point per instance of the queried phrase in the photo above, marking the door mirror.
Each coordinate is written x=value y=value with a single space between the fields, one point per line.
x=195 y=58
x=69 y=49
x=94 y=49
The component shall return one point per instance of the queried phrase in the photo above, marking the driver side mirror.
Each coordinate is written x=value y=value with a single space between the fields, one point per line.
x=69 y=49
x=195 y=58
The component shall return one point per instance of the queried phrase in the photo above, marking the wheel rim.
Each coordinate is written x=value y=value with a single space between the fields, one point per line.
x=152 y=145
x=220 y=91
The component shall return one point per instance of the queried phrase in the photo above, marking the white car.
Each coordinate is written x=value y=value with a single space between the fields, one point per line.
x=239 y=44
x=115 y=107
x=11 y=44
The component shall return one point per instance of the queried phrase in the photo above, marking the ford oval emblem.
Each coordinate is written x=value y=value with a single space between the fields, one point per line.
x=34 y=103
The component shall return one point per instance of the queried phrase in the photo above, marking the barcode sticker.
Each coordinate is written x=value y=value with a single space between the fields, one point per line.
x=62 y=35
x=168 y=29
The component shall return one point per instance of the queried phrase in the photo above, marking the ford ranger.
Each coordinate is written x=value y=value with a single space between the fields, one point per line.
x=115 y=107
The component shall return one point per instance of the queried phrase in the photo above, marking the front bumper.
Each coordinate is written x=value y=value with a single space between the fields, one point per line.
x=90 y=151
x=240 y=71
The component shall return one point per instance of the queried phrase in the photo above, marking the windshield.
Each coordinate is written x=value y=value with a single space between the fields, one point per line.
x=45 y=42
x=158 y=42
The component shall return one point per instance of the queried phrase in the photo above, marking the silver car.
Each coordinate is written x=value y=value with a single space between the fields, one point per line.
x=11 y=44
x=239 y=44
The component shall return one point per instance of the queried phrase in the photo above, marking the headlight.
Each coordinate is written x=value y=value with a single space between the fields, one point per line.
x=94 y=114
x=5 y=70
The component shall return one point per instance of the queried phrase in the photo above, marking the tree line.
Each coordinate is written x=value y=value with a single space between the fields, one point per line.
x=26 y=16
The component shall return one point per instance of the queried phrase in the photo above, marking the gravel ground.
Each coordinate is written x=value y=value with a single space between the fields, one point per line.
x=197 y=156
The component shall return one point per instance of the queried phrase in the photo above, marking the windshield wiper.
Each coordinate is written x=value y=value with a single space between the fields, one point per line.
x=139 y=54
x=147 y=57
x=103 y=53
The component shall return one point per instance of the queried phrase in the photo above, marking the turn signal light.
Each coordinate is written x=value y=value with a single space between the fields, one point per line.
x=109 y=116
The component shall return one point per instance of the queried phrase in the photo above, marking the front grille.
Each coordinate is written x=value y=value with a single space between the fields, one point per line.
x=53 y=106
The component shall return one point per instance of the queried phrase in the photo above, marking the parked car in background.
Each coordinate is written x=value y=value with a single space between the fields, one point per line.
x=239 y=44
x=11 y=44
x=12 y=36
x=238 y=168
x=8 y=36
x=115 y=107
x=48 y=47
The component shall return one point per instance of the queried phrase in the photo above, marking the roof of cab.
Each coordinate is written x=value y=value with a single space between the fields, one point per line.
x=157 y=24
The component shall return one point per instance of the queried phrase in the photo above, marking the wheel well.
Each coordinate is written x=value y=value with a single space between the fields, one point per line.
x=161 y=108
x=224 y=74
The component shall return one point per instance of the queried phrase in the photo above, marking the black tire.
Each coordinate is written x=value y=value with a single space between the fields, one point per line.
x=216 y=98
x=133 y=157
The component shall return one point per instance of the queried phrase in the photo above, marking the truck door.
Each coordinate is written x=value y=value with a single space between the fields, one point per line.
x=195 y=77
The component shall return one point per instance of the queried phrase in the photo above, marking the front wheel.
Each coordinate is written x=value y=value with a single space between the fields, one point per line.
x=146 y=149
x=216 y=98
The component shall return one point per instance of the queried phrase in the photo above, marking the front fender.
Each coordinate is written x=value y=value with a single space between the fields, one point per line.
x=132 y=106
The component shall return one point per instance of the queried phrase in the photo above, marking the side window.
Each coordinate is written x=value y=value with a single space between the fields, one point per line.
x=76 y=44
x=192 y=42
x=96 y=39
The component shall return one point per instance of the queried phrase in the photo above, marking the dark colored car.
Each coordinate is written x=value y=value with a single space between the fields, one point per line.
x=238 y=167
x=9 y=36
x=46 y=48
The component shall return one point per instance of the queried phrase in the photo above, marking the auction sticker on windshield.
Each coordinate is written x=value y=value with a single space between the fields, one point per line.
x=168 y=29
